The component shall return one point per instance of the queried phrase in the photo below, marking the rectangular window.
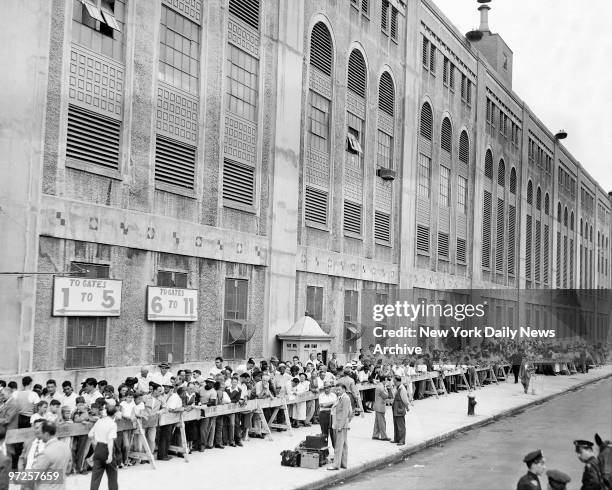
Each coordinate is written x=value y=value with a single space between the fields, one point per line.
x=463 y=86
x=461 y=250
x=443 y=245
x=179 y=53
x=169 y=342
x=422 y=240
x=468 y=93
x=394 y=23
x=98 y=25
x=424 y=176
x=314 y=302
x=242 y=83
x=462 y=194
x=425 y=53
x=234 y=318
x=318 y=122
x=432 y=60
x=451 y=79
x=382 y=227
x=486 y=229
x=444 y=186
x=351 y=317
x=384 y=17
x=355 y=140
x=384 y=157
x=445 y=71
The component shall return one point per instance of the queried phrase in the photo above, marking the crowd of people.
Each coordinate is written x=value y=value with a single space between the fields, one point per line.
x=148 y=395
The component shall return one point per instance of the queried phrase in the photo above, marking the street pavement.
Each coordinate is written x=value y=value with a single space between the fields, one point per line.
x=256 y=466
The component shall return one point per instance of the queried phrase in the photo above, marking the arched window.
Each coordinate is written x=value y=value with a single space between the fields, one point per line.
x=489 y=165
x=246 y=10
x=386 y=94
x=357 y=74
x=426 y=121
x=572 y=221
x=559 y=212
x=581 y=228
x=321 y=49
x=446 y=136
x=539 y=199
x=513 y=180
x=464 y=148
x=565 y=217
x=501 y=173
x=547 y=204
x=529 y=192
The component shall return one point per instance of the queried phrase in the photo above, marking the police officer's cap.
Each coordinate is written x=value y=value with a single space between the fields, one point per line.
x=164 y=365
x=581 y=444
x=558 y=476
x=532 y=456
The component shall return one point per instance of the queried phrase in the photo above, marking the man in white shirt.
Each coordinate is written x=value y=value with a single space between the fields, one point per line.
x=218 y=367
x=52 y=393
x=69 y=397
x=104 y=433
x=327 y=399
x=91 y=393
x=142 y=381
x=164 y=376
x=26 y=399
x=33 y=449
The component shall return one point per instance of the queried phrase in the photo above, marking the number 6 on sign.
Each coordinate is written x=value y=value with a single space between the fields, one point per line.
x=171 y=304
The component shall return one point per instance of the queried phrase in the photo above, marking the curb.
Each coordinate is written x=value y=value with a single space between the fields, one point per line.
x=399 y=456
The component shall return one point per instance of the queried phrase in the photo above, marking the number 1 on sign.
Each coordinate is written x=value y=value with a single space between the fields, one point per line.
x=188 y=306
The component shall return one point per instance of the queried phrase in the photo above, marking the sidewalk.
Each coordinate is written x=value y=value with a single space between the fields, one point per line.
x=256 y=466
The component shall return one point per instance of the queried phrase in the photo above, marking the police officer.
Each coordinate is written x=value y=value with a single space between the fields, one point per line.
x=536 y=466
x=557 y=480
x=591 y=478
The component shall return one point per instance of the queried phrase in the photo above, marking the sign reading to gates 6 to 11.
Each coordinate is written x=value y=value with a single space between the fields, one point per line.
x=78 y=296
x=172 y=304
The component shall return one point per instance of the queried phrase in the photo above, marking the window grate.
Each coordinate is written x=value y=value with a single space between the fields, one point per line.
x=426 y=122
x=529 y=192
x=539 y=199
x=394 y=13
x=511 y=238
x=238 y=182
x=486 y=229
x=489 y=165
x=357 y=73
x=386 y=94
x=445 y=65
x=422 y=239
x=432 y=60
x=538 y=250
x=384 y=16
x=513 y=181
x=528 y=247
x=547 y=204
x=247 y=11
x=499 y=250
x=464 y=148
x=93 y=138
x=316 y=206
x=443 y=245
x=321 y=51
x=382 y=226
x=446 y=136
x=352 y=218
x=501 y=173
x=425 y=52
x=461 y=250
x=174 y=162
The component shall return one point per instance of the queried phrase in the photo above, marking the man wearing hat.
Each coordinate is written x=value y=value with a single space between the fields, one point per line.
x=351 y=388
x=208 y=397
x=164 y=376
x=536 y=466
x=557 y=480
x=591 y=478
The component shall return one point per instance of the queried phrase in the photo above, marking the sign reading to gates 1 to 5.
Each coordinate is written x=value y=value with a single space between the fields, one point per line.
x=172 y=304
x=86 y=297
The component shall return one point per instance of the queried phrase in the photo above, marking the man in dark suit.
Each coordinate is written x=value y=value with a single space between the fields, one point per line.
x=56 y=456
x=5 y=460
x=381 y=393
x=591 y=478
x=9 y=411
x=401 y=404
x=536 y=466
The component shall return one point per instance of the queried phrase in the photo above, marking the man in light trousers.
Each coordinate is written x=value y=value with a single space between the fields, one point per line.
x=342 y=414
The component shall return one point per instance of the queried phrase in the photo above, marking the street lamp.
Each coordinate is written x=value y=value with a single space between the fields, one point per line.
x=561 y=134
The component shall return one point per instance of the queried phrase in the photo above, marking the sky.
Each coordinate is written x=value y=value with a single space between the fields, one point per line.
x=562 y=67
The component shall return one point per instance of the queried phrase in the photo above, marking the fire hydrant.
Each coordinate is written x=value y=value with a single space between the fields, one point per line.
x=471 y=404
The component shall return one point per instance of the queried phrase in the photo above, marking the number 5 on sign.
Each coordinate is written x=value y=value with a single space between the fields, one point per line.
x=172 y=304
x=78 y=296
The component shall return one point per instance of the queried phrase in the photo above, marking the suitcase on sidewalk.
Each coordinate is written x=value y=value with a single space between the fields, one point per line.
x=316 y=442
x=290 y=458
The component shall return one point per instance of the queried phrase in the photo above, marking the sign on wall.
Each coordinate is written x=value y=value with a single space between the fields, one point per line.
x=77 y=296
x=172 y=304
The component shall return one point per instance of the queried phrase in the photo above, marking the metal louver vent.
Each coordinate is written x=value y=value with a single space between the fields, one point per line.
x=384 y=15
x=394 y=13
x=511 y=238
x=461 y=250
x=547 y=204
x=443 y=245
x=93 y=138
x=247 y=11
x=426 y=122
x=529 y=192
x=382 y=226
x=174 y=162
x=425 y=53
x=489 y=165
x=422 y=239
x=513 y=180
x=486 y=230
x=364 y=6
x=538 y=249
x=446 y=136
x=464 y=148
x=528 y=239
x=386 y=94
x=352 y=218
x=357 y=73
x=539 y=199
x=238 y=182
x=321 y=52
x=316 y=206
x=499 y=249
x=546 y=252
x=501 y=173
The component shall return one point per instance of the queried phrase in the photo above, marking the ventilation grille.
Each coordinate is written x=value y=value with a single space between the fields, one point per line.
x=394 y=12
x=538 y=249
x=426 y=122
x=174 y=162
x=382 y=227
x=513 y=180
x=486 y=230
x=321 y=48
x=425 y=56
x=386 y=94
x=422 y=239
x=539 y=199
x=352 y=218
x=559 y=260
x=384 y=15
x=464 y=148
x=529 y=192
x=501 y=173
x=511 y=238
x=364 y=6
x=92 y=138
x=238 y=182
x=499 y=250
x=489 y=165
x=316 y=206
x=446 y=137
x=461 y=250
x=528 y=238
x=247 y=11
x=547 y=204
x=443 y=245
x=357 y=74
